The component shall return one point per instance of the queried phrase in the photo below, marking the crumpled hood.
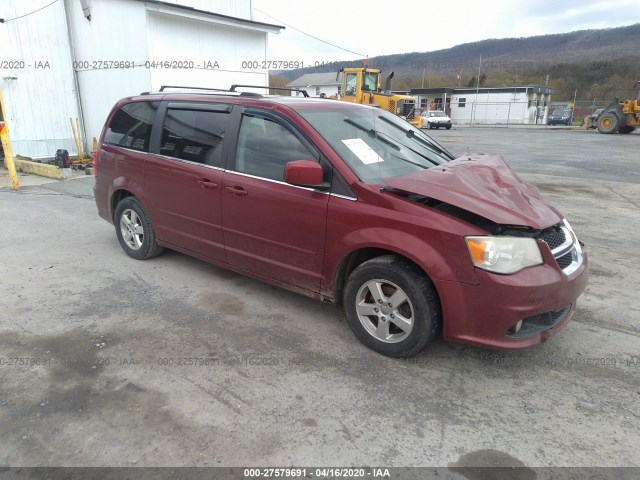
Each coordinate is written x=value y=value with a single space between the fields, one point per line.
x=484 y=185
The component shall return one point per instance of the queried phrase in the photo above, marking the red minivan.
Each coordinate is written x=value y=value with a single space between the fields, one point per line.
x=345 y=203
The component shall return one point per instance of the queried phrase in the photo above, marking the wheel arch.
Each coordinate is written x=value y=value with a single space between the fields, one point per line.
x=116 y=197
x=357 y=257
x=122 y=188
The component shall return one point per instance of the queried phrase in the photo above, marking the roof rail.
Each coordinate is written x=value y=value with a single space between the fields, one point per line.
x=231 y=90
x=304 y=92
x=163 y=87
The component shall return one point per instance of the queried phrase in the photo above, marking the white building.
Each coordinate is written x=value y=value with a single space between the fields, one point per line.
x=525 y=105
x=316 y=84
x=76 y=58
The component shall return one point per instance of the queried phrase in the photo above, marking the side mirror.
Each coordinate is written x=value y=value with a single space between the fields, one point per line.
x=304 y=173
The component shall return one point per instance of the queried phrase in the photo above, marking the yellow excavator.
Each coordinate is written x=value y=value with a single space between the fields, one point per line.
x=621 y=117
x=362 y=85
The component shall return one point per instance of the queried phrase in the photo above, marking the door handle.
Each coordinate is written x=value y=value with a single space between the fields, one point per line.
x=237 y=191
x=207 y=184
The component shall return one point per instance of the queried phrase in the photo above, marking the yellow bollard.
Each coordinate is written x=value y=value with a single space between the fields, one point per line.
x=6 y=147
x=75 y=139
x=80 y=143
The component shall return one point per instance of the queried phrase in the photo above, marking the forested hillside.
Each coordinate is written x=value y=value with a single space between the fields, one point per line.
x=599 y=64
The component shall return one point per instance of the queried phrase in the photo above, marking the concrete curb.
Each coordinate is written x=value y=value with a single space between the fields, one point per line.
x=42 y=169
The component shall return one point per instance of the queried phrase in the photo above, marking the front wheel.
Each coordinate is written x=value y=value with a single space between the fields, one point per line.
x=608 y=123
x=392 y=306
x=134 y=230
x=448 y=127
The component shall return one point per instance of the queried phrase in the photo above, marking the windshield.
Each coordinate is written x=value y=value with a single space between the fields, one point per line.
x=376 y=144
x=437 y=114
x=562 y=112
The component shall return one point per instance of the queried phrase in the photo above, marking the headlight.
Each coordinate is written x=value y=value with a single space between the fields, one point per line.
x=503 y=254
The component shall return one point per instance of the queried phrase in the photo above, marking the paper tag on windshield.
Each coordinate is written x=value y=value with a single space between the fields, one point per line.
x=364 y=152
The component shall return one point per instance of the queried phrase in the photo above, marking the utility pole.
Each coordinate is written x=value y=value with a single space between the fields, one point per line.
x=475 y=104
x=6 y=146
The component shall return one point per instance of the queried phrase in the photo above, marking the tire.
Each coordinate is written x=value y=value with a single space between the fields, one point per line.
x=608 y=123
x=134 y=230
x=626 y=129
x=406 y=314
x=448 y=128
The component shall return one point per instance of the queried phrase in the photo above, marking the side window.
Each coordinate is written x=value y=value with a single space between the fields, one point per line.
x=195 y=135
x=462 y=102
x=131 y=126
x=265 y=147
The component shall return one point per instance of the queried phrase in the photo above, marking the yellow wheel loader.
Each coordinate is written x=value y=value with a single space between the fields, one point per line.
x=621 y=117
x=362 y=85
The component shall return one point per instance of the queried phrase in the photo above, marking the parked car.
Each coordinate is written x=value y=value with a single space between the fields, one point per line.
x=435 y=119
x=560 y=116
x=345 y=203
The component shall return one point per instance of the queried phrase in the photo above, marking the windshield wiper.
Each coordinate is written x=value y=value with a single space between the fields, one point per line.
x=411 y=134
x=377 y=135
x=372 y=133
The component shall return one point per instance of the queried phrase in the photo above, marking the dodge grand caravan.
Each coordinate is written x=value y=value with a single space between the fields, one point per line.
x=347 y=204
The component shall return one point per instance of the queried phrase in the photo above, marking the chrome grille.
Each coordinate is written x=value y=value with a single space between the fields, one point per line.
x=554 y=238
x=564 y=246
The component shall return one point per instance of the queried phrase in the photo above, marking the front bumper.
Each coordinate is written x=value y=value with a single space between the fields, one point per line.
x=487 y=314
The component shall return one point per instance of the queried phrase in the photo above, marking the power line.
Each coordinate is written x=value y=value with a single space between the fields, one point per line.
x=309 y=35
x=2 y=20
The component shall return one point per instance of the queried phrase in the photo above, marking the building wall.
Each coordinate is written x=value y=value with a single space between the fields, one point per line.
x=92 y=64
x=217 y=52
x=103 y=39
x=204 y=51
x=39 y=96
x=498 y=108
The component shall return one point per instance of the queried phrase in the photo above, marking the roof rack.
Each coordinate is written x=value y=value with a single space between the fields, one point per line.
x=232 y=90
x=163 y=87
x=304 y=92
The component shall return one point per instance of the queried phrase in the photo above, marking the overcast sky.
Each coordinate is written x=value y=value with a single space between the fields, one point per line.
x=403 y=26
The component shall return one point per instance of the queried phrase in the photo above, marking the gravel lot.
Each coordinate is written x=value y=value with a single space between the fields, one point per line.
x=107 y=361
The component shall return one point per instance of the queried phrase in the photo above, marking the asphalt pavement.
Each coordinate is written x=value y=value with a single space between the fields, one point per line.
x=108 y=361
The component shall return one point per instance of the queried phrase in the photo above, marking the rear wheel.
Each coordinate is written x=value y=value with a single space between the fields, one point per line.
x=134 y=230
x=392 y=306
x=608 y=123
x=626 y=129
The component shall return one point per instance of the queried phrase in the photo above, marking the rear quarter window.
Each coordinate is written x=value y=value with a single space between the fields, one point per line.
x=130 y=127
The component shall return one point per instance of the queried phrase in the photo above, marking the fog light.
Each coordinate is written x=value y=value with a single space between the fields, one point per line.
x=517 y=327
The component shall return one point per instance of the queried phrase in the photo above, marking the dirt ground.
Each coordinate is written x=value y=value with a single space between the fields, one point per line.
x=108 y=361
